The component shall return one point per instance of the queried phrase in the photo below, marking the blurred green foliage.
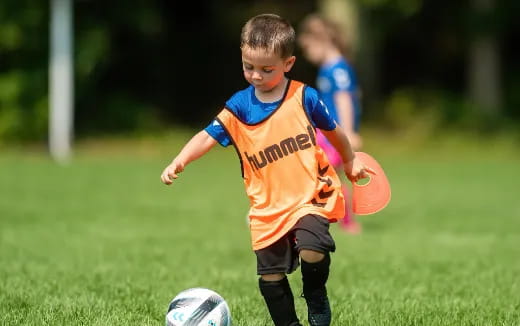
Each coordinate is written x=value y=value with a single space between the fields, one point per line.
x=23 y=69
x=428 y=112
x=150 y=65
x=405 y=7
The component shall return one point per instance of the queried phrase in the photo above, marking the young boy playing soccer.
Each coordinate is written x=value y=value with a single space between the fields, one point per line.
x=294 y=193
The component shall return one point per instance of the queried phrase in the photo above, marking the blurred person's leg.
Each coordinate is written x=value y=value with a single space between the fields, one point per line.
x=348 y=223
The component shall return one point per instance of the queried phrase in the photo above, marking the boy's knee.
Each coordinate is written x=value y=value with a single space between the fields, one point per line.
x=311 y=256
x=272 y=277
x=315 y=275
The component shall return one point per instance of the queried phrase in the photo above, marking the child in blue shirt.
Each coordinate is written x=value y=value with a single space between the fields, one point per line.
x=321 y=43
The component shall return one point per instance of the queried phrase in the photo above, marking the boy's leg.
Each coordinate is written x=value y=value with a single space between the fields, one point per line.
x=315 y=276
x=280 y=301
x=273 y=263
x=314 y=243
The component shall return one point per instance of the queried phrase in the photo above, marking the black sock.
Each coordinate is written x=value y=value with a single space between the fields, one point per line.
x=280 y=301
x=314 y=276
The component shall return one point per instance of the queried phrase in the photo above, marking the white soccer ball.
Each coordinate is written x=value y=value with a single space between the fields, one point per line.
x=198 y=307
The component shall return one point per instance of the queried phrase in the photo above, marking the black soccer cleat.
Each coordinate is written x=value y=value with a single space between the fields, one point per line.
x=318 y=308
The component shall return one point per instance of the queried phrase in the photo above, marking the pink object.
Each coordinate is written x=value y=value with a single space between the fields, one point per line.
x=332 y=154
x=348 y=223
x=348 y=205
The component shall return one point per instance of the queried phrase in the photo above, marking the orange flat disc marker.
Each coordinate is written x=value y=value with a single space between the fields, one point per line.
x=373 y=196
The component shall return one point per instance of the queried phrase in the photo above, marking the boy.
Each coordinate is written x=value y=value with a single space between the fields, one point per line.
x=293 y=191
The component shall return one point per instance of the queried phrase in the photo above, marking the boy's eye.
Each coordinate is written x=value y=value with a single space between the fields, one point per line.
x=248 y=67
x=267 y=70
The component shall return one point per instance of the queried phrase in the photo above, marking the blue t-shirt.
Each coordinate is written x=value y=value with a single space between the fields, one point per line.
x=250 y=110
x=339 y=76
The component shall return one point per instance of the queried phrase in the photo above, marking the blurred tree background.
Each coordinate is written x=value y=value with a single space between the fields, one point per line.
x=148 y=65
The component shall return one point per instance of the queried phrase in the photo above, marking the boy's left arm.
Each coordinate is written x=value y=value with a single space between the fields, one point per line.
x=354 y=169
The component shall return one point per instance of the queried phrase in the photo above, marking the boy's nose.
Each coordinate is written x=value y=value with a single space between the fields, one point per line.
x=256 y=75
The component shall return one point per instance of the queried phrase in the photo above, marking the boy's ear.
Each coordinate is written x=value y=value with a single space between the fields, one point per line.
x=289 y=63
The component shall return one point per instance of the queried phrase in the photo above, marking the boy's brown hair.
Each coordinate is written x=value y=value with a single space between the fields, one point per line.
x=270 y=32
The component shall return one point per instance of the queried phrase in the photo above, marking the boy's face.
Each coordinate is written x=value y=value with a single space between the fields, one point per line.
x=263 y=69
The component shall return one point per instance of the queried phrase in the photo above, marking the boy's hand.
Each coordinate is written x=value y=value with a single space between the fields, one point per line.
x=356 y=170
x=170 y=172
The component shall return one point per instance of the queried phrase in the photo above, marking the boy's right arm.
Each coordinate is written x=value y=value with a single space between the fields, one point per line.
x=199 y=145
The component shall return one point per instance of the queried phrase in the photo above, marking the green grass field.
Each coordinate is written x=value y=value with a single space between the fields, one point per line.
x=102 y=242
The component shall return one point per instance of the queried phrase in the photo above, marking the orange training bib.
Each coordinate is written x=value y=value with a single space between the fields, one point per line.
x=286 y=174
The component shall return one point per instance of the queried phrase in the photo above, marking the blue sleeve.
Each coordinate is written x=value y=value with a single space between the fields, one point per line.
x=235 y=103
x=215 y=130
x=317 y=110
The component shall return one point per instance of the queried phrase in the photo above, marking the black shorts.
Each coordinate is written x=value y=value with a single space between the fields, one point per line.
x=310 y=232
